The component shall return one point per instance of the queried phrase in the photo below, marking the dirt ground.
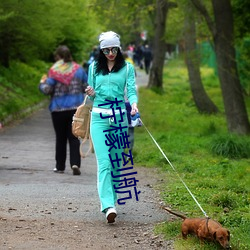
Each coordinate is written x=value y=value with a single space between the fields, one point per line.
x=40 y=209
x=49 y=234
x=37 y=221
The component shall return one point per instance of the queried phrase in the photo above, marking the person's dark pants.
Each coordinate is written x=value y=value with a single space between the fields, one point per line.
x=62 y=122
x=131 y=129
x=147 y=66
x=131 y=138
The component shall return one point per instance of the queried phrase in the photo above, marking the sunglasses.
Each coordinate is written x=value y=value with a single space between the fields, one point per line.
x=106 y=51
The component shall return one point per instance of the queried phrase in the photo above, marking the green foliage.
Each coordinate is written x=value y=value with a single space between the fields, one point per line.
x=241 y=17
x=127 y=17
x=175 y=28
x=219 y=183
x=231 y=146
x=175 y=25
x=29 y=33
x=19 y=87
x=243 y=59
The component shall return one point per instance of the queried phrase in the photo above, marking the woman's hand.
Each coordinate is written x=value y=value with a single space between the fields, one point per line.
x=134 y=109
x=43 y=79
x=90 y=91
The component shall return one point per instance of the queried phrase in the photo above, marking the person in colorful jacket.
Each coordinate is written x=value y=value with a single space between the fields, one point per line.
x=108 y=77
x=65 y=83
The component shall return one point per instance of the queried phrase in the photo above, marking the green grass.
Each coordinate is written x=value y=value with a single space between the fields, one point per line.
x=19 y=88
x=214 y=164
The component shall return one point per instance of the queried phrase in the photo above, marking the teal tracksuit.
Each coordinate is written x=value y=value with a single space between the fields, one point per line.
x=110 y=87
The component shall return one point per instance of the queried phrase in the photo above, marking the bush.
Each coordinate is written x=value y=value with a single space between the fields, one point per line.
x=19 y=88
x=231 y=146
x=223 y=200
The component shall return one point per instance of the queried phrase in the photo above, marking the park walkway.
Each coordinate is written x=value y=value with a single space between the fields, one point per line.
x=38 y=199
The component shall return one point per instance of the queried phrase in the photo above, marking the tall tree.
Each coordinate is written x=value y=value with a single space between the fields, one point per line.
x=223 y=38
x=159 y=44
x=201 y=99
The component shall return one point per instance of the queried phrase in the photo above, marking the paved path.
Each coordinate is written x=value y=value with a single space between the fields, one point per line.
x=29 y=189
x=141 y=78
x=26 y=163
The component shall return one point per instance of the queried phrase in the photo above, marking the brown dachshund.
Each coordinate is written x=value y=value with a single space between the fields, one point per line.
x=204 y=229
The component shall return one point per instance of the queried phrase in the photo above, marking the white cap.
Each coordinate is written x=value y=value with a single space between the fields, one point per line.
x=109 y=39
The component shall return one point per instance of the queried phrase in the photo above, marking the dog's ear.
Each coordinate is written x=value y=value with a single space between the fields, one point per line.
x=228 y=237
x=214 y=235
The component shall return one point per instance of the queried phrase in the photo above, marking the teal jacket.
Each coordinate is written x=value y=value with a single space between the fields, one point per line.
x=113 y=85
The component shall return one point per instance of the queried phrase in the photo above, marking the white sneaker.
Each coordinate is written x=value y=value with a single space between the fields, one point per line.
x=58 y=171
x=76 y=170
x=111 y=214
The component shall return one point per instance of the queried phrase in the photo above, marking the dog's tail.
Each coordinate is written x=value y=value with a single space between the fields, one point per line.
x=175 y=213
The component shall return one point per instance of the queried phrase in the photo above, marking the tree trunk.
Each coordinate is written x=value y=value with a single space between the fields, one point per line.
x=159 y=47
x=235 y=109
x=201 y=99
x=223 y=38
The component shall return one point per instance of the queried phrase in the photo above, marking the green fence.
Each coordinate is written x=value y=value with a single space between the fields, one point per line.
x=208 y=58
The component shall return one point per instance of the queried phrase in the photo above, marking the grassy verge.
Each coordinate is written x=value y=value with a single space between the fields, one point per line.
x=19 y=88
x=214 y=164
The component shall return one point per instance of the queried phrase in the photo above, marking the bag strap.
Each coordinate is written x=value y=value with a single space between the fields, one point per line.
x=91 y=148
x=85 y=99
x=86 y=138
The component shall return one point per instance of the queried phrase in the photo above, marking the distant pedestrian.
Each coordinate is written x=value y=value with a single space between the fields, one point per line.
x=147 y=54
x=93 y=55
x=65 y=84
x=138 y=56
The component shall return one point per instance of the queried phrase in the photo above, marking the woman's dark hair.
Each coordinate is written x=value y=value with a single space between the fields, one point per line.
x=63 y=52
x=102 y=67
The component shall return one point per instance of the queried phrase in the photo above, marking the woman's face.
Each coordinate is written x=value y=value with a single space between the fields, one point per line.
x=110 y=53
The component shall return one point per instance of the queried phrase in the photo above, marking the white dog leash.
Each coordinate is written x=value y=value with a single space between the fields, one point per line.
x=174 y=170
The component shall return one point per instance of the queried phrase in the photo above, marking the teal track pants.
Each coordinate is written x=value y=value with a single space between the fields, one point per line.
x=106 y=191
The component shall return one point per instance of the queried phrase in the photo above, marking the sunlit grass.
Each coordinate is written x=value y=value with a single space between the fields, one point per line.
x=19 y=87
x=192 y=143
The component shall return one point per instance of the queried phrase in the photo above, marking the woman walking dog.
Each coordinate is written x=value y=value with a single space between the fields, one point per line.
x=108 y=78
